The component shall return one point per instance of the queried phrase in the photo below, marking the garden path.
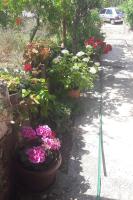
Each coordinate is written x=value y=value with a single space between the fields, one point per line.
x=79 y=180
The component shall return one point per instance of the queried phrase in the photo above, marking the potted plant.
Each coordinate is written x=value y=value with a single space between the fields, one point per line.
x=72 y=73
x=37 y=158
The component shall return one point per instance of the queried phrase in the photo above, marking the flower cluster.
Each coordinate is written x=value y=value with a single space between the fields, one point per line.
x=98 y=44
x=35 y=55
x=47 y=142
x=36 y=154
x=73 y=71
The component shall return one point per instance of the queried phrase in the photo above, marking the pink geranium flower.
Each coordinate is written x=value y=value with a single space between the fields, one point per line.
x=36 y=154
x=43 y=145
x=44 y=131
x=51 y=143
x=28 y=132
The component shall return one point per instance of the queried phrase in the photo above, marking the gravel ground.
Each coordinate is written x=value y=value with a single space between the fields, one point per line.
x=79 y=181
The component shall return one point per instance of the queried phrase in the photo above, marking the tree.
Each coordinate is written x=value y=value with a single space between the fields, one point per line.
x=66 y=17
x=82 y=11
x=128 y=9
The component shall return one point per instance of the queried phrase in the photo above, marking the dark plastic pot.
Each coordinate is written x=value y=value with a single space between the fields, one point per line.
x=14 y=98
x=37 y=181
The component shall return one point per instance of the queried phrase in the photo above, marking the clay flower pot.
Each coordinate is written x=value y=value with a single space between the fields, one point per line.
x=74 y=93
x=38 y=180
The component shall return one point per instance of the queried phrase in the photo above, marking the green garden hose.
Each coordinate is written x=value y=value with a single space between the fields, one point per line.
x=101 y=157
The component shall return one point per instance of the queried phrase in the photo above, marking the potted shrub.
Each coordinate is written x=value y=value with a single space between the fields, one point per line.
x=37 y=158
x=71 y=72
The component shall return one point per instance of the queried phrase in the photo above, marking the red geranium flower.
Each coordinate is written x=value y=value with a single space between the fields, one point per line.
x=90 y=41
x=105 y=50
x=27 y=67
x=95 y=45
x=109 y=47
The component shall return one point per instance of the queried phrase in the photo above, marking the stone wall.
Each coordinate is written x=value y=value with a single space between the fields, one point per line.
x=7 y=140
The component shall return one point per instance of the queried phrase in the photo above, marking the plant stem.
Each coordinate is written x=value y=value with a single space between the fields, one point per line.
x=35 y=29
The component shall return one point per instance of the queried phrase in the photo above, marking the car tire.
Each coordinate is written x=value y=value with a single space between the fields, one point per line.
x=112 y=21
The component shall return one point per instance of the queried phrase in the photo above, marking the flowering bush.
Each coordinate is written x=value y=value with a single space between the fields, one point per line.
x=40 y=147
x=99 y=45
x=69 y=71
x=36 y=55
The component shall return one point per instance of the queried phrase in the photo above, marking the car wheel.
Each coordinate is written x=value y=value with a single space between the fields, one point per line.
x=112 y=21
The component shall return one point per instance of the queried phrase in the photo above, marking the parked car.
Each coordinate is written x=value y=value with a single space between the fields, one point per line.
x=112 y=15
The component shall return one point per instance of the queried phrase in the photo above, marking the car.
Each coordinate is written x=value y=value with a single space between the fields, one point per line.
x=112 y=15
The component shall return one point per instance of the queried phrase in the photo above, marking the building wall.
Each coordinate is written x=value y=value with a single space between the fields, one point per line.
x=7 y=141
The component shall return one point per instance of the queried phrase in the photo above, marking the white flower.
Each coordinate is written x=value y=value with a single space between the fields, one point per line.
x=5 y=70
x=42 y=6
x=57 y=59
x=34 y=51
x=80 y=53
x=88 y=47
x=16 y=70
x=86 y=59
x=74 y=57
x=75 y=67
x=65 y=51
x=93 y=70
x=97 y=64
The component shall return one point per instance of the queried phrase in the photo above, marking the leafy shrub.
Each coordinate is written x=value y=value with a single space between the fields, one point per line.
x=36 y=100
x=127 y=7
x=12 y=79
x=69 y=71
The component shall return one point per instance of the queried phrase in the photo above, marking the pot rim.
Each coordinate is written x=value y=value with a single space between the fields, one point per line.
x=53 y=167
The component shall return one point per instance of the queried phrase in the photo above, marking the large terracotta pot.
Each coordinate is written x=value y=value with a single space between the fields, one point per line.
x=37 y=181
x=74 y=93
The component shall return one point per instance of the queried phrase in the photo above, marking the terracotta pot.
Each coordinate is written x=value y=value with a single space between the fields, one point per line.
x=37 y=181
x=74 y=93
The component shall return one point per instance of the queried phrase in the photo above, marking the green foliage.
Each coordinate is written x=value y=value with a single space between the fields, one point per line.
x=67 y=18
x=12 y=80
x=69 y=71
x=36 y=98
x=92 y=26
x=127 y=7
x=106 y=3
x=59 y=115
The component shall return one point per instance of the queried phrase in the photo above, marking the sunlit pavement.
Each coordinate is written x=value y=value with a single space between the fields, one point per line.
x=117 y=126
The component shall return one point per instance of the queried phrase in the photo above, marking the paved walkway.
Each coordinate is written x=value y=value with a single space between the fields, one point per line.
x=79 y=181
